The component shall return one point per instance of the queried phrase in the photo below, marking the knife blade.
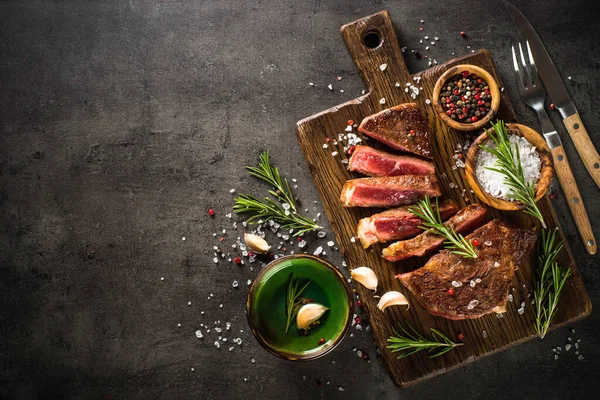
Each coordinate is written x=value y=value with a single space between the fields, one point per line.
x=558 y=93
x=546 y=68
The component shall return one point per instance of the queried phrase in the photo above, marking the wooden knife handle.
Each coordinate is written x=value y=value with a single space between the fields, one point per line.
x=584 y=146
x=571 y=191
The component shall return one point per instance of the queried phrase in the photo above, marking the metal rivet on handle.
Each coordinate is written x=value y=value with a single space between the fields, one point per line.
x=590 y=242
x=576 y=126
x=575 y=200
x=560 y=157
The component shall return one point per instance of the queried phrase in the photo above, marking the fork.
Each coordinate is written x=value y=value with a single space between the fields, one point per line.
x=533 y=94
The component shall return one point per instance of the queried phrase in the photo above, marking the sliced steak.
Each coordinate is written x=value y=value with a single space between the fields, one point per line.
x=389 y=191
x=462 y=222
x=396 y=224
x=402 y=128
x=372 y=162
x=458 y=288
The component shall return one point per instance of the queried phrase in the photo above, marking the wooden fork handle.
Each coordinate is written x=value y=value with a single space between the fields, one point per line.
x=584 y=145
x=571 y=191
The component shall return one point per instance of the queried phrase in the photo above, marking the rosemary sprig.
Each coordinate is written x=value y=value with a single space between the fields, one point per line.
x=455 y=242
x=407 y=343
x=283 y=212
x=270 y=174
x=293 y=300
x=509 y=165
x=550 y=280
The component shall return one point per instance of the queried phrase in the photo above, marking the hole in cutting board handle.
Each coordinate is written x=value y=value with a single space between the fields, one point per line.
x=372 y=39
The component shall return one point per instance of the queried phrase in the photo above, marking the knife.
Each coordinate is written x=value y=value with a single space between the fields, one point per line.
x=558 y=93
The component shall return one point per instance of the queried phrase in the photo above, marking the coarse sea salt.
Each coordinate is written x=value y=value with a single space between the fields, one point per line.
x=493 y=182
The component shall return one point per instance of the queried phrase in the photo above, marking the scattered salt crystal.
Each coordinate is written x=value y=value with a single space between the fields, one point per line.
x=253 y=361
x=382 y=100
x=301 y=244
x=162 y=278
x=235 y=284
x=580 y=357
x=472 y=283
x=521 y=311
x=341 y=389
x=330 y=243
x=321 y=234
x=189 y=303
x=217 y=344
x=567 y=347
x=456 y=284
x=484 y=334
x=472 y=304
x=325 y=146
x=330 y=87
x=478 y=280
x=397 y=84
x=353 y=239
x=383 y=67
x=311 y=84
x=510 y=298
x=335 y=153
x=348 y=128
x=427 y=101
x=358 y=327
x=487 y=243
x=496 y=264
x=318 y=251
x=232 y=191
x=199 y=334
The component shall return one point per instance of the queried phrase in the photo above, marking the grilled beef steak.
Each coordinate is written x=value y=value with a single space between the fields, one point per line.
x=401 y=127
x=458 y=288
x=463 y=221
x=372 y=162
x=396 y=224
x=389 y=191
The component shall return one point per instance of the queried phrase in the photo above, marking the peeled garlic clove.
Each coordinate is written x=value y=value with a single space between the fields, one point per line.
x=392 y=299
x=365 y=276
x=309 y=314
x=256 y=243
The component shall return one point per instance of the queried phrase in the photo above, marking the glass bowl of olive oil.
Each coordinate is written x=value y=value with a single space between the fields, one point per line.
x=269 y=300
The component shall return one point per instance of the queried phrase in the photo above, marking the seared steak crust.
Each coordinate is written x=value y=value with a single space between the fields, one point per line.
x=396 y=224
x=401 y=127
x=372 y=162
x=389 y=191
x=480 y=284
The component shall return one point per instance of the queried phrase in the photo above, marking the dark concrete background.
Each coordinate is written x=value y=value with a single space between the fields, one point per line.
x=123 y=122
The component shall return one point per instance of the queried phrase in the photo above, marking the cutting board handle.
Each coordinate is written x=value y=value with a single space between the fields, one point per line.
x=372 y=42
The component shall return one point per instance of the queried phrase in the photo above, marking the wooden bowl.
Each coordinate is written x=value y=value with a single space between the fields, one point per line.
x=547 y=169
x=494 y=91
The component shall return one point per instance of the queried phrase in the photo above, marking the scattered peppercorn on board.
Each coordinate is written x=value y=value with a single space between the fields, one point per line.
x=386 y=76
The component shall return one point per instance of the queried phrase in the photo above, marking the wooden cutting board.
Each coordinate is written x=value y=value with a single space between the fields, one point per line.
x=482 y=336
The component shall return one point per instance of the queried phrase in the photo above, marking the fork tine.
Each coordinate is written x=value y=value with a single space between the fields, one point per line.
x=534 y=73
x=526 y=72
x=518 y=71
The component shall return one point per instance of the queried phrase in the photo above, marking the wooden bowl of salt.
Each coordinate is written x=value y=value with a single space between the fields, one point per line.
x=542 y=184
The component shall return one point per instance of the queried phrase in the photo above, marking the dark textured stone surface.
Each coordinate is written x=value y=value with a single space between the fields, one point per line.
x=122 y=122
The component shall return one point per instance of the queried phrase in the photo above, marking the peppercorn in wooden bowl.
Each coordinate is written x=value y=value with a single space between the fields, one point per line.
x=466 y=97
x=546 y=167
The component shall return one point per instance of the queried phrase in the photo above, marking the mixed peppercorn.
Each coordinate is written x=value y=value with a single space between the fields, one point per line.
x=466 y=97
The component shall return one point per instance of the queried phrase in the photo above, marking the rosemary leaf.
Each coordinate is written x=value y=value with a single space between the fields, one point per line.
x=455 y=242
x=410 y=342
x=549 y=281
x=293 y=300
x=509 y=165
x=283 y=212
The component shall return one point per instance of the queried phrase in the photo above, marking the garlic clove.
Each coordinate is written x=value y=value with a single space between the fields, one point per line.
x=256 y=243
x=365 y=276
x=309 y=314
x=392 y=299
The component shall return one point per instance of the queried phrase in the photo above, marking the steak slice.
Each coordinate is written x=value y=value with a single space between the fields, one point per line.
x=396 y=224
x=372 y=162
x=462 y=222
x=479 y=285
x=402 y=128
x=389 y=191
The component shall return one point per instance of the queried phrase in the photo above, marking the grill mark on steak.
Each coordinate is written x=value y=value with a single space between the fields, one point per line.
x=402 y=128
x=462 y=222
x=396 y=224
x=495 y=266
x=389 y=191
x=372 y=162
